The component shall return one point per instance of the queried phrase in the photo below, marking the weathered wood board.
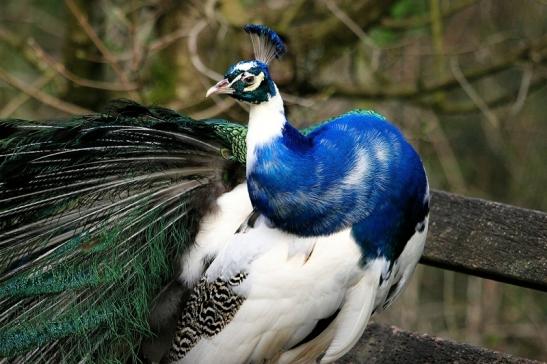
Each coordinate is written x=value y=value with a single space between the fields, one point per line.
x=387 y=344
x=488 y=239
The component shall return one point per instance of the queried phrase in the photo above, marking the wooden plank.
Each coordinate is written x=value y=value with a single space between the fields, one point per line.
x=387 y=344
x=488 y=239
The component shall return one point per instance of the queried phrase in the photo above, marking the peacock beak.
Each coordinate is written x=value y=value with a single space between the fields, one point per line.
x=222 y=87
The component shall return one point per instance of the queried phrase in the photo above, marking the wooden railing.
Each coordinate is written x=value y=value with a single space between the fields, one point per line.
x=477 y=237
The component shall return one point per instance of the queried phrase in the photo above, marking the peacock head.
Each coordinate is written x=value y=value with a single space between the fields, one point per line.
x=250 y=81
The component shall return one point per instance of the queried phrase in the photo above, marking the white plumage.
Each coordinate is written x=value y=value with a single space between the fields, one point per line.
x=292 y=283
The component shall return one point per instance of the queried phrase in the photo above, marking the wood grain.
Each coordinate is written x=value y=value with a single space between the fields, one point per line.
x=387 y=344
x=488 y=239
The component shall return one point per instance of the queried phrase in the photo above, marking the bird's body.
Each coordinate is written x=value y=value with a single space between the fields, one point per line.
x=300 y=297
x=292 y=255
x=342 y=219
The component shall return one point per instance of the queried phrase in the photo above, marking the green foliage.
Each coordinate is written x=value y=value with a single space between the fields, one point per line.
x=383 y=36
x=406 y=8
x=163 y=81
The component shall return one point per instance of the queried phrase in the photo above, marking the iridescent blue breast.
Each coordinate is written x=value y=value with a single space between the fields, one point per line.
x=355 y=171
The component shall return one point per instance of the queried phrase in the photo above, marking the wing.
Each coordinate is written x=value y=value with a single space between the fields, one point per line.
x=264 y=295
x=94 y=212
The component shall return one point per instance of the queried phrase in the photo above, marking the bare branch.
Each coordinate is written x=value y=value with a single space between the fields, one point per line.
x=524 y=88
x=21 y=46
x=167 y=40
x=194 y=55
x=109 y=57
x=445 y=153
x=61 y=70
x=532 y=51
x=15 y=103
x=451 y=107
x=348 y=22
x=216 y=109
x=491 y=133
x=41 y=96
x=473 y=95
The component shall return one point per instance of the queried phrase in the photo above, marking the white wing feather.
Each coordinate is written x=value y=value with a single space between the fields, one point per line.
x=292 y=283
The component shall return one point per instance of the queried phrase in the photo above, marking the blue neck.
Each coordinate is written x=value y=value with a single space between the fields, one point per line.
x=333 y=178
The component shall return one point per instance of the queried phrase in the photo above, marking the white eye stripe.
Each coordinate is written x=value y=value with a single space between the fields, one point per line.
x=256 y=84
x=238 y=77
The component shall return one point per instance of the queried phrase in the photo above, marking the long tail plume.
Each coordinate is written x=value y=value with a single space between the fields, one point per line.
x=94 y=212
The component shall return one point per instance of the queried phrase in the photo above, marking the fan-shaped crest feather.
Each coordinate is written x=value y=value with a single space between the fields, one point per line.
x=267 y=44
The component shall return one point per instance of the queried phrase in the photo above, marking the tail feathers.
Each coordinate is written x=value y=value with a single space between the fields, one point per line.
x=93 y=213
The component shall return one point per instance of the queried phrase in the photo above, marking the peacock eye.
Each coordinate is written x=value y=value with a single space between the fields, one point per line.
x=249 y=79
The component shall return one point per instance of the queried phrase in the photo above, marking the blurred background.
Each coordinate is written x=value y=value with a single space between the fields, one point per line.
x=466 y=80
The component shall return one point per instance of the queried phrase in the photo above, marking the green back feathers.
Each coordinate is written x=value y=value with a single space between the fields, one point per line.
x=95 y=213
x=234 y=135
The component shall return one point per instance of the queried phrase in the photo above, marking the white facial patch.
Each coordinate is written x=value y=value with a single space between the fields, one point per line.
x=238 y=77
x=245 y=66
x=258 y=81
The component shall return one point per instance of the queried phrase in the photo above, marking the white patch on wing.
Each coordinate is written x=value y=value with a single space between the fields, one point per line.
x=292 y=283
x=216 y=230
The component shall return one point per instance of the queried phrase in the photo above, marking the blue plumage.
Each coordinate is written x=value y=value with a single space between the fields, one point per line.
x=356 y=170
x=343 y=209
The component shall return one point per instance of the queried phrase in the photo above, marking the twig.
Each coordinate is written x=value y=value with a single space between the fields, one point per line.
x=492 y=128
x=445 y=153
x=194 y=55
x=472 y=94
x=356 y=29
x=532 y=50
x=154 y=46
x=61 y=70
x=18 y=44
x=216 y=109
x=296 y=100
x=167 y=39
x=34 y=92
x=109 y=57
x=15 y=103
x=450 y=107
x=524 y=88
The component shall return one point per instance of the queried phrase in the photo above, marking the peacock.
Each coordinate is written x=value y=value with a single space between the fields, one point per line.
x=141 y=235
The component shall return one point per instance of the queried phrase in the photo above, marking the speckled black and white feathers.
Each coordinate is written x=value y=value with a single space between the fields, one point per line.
x=209 y=309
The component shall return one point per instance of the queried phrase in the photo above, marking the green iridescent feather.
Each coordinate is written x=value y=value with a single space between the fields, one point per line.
x=95 y=213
